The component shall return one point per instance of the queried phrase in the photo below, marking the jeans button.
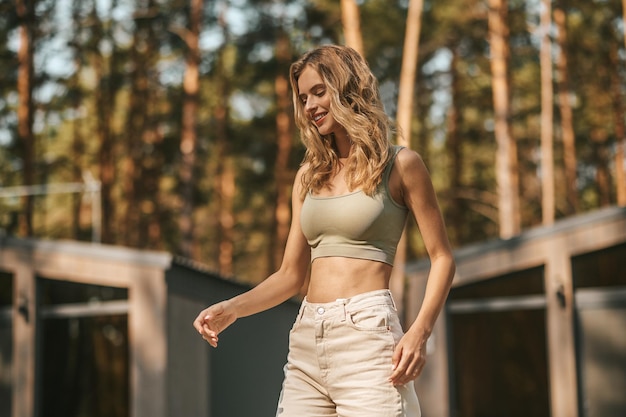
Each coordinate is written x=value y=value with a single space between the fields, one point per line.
x=320 y=310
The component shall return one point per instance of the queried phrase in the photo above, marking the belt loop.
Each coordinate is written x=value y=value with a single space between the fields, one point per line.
x=343 y=304
x=303 y=306
x=393 y=302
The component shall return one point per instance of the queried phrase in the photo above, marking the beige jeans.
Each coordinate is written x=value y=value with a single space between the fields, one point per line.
x=339 y=361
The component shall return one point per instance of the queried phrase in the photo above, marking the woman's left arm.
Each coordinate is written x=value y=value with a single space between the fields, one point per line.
x=411 y=181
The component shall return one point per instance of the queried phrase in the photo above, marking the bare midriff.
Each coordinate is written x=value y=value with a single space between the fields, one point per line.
x=339 y=277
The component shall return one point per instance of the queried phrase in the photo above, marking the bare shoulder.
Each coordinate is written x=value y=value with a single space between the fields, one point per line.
x=297 y=182
x=300 y=173
x=303 y=168
x=408 y=176
x=410 y=163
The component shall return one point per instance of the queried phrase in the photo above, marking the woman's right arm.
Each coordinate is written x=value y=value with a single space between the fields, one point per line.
x=277 y=288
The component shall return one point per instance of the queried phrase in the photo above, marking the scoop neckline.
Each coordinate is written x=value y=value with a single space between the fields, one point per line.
x=330 y=197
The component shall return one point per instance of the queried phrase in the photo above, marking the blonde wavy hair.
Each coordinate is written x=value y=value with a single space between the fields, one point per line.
x=355 y=104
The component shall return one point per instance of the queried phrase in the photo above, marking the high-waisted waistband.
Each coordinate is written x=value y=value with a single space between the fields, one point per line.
x=339 y=307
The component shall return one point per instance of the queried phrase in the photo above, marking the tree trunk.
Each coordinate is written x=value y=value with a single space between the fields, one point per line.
x=135 y=119
x=620 y=153
x=226 y=218
x=152 y=172
x=506 y=154
x=547 y=146
x=225 y=177
x=25 y=81
x=620 y=129
x=105 y=97
x=453 y=146
x=141 y=168
x=224 y=184
x=78 y=141
x=565 y=107
x=78 y=150
x=599 y=138
x=284 y=129
x=405 y=110
x=191 y=87
x=351 y=22
x=409 y=68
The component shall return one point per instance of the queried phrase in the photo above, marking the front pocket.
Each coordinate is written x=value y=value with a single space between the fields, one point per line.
x=373 y=319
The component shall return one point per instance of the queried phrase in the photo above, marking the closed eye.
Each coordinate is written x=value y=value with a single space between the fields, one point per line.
x=318 y=90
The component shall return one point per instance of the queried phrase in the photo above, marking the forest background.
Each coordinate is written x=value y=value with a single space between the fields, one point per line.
x=167 y=124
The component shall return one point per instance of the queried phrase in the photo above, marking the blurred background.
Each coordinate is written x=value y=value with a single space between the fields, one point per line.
x=160 y=132
x=180 y=112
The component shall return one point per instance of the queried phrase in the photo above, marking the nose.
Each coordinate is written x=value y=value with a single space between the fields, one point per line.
x=310 y=104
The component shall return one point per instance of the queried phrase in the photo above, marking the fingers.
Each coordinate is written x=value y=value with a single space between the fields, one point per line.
x=198 y=322
x=211 y=339
x=401 y=375
x=203 y=325
x=407 y=366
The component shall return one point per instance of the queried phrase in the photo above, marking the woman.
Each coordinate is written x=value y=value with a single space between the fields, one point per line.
x=348 y=355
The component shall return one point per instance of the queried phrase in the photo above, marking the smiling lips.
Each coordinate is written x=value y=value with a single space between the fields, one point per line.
x=319 y=118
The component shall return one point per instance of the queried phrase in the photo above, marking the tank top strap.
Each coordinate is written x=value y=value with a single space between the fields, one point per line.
x=395 y=150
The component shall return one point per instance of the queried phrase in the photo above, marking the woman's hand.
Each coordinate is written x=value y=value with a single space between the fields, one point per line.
x=213 y=320
x=408 y=359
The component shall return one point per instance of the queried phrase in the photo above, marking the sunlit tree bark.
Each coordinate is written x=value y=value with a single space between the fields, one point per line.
x=405 y=109
x=565 y=107
x=284 y=129
x=191 y=86
x=226 y=217
x=225 y=176
x=620 y=154
x=352 y=25
x=547 y=102
x=25 y=81
x=506 y=154
x=406 y=88
x=453 y=146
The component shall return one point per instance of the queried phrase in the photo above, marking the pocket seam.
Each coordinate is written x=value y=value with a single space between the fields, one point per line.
x=381 y=329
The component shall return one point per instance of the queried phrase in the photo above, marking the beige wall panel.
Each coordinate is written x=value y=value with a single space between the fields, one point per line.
x=147 y=325
x=561 y=339
x=24 y=331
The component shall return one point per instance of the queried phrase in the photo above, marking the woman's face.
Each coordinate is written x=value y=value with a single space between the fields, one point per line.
x=315 y=99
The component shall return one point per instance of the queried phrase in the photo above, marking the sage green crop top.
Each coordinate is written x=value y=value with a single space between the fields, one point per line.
x=355 y=225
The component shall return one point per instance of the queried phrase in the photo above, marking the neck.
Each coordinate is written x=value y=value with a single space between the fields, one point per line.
x=344 y=145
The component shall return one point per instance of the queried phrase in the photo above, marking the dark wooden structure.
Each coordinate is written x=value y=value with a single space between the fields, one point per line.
x=107 y=331
x=534 y=325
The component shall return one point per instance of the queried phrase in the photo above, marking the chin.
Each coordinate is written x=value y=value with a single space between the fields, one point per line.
x=324 y=132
